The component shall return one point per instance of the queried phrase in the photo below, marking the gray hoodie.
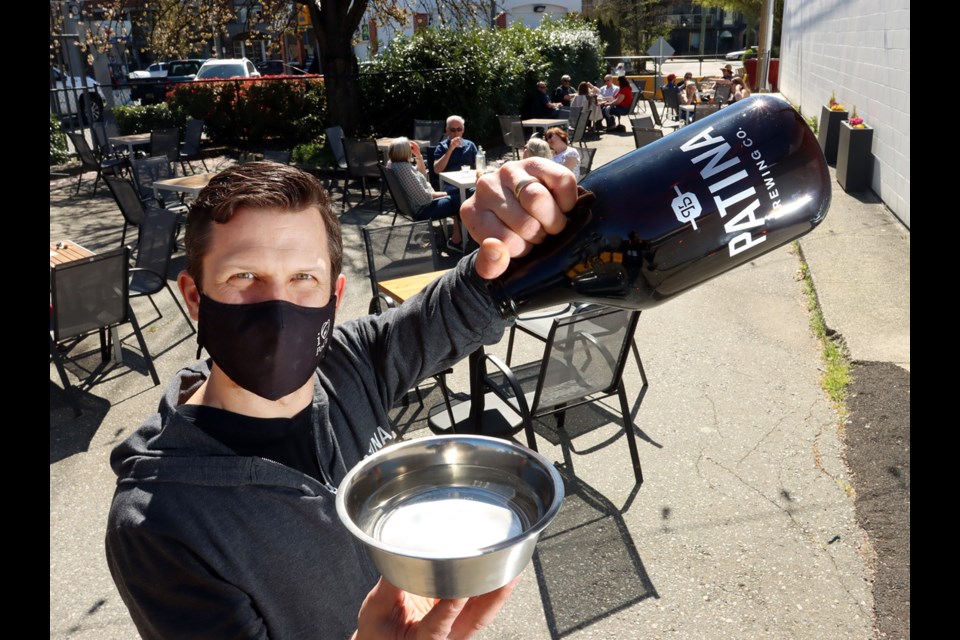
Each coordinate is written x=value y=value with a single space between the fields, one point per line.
x=203 y=543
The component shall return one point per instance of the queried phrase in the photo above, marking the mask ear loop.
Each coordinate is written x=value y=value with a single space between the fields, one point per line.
x=199 y=346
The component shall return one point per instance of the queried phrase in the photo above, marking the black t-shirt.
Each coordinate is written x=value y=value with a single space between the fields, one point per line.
x=288 y=441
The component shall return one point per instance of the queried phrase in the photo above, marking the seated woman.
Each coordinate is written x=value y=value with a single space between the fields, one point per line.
x=620 y=105
x=584 y=91
x=562 y=153
x=739 y=90
x=688 y=96
x=537 y=147
x=427 y=203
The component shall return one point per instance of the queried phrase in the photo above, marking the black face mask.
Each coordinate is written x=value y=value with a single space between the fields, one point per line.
x=269 y=348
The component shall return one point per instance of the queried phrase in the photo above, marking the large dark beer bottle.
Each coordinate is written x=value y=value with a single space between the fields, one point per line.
x=680 y=211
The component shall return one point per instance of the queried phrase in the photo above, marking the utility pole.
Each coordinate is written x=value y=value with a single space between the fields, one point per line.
x=703 y=29
x=765 y=44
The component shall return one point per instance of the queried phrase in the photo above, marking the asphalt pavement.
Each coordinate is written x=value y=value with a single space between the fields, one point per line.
x=746 y=525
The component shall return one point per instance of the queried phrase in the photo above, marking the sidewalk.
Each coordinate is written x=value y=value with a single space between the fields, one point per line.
x=745 y=526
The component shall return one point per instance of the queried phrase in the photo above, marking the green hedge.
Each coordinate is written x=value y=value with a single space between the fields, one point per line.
x=475 y=73
x=58 y=142
x=134 y=119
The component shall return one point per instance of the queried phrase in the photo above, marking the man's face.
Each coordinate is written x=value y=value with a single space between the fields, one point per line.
x=608 y=80
x=265 y=255
x=542 y=87
x=455 y=129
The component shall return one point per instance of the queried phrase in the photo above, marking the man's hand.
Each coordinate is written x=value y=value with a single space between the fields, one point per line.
x=507 y=226
x=390 y=613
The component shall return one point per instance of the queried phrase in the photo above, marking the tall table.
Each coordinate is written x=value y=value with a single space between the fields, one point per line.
x=190 y=185
x=545 y=123
x=68 y=251
x=130 y=141
x=468 y=417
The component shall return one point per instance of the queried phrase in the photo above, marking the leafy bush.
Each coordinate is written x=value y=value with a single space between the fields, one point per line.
x=255 y=113
x=312 y=153
x=58 y=142
x=144 y=119
x=475 y=73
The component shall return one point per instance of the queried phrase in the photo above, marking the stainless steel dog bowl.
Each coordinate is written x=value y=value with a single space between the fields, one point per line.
x=450 y=516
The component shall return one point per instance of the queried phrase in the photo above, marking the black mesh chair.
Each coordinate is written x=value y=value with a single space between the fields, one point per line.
x=429 y=130
x=641 y=122
x=87 y=296
x=335 y=142
x=127 y=197
x=509 y=128
x=398 y=251
x=704 y=109
x=580 y=128
x=643 y=137
x=102 y=132
x=191 y=148
x=166 y=142
x=146 y=171
x=363 y=162
x=671 y=104
x=657 y=119
x=583 y=362
x=721 y=94
x=397 y=194
x=586 y=161
x=155 y=246
x=90 y=162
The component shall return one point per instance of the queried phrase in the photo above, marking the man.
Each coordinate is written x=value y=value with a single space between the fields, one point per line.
x=726 y=73
x=223 y=523
x=541 y=107
x=454 y=151
x=563 y=94
x=608 y=92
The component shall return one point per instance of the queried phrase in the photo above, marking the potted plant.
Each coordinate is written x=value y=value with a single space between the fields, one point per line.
x=854 y=156
x=832 y=114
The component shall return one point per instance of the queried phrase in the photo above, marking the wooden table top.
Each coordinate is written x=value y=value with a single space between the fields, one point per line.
x=187 y=184
x=401 y=289
x=67 y=251
x=545 y=123
x=133 y=138
x=384 y=143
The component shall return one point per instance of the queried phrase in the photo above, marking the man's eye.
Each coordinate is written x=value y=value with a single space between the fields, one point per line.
x=244 y=276
x=303 y=276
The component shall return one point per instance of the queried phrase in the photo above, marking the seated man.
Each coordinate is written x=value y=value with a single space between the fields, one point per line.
x=454 y=152
x=223 y=522
x=563 y=94
x=620 y=105
x=540 y=105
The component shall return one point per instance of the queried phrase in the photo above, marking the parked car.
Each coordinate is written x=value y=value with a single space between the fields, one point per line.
x=153 y=90
x=227 y=68
x=155 y=70
x=73 y=91
x=750 y=52
x=279 y=68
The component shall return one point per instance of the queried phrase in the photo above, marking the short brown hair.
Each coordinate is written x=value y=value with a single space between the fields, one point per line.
x=257 y=185
x=557 y=131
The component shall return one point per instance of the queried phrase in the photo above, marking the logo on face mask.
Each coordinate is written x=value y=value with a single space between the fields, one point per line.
x=322 y=337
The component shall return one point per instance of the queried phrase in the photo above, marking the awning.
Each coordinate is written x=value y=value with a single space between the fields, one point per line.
x=726 y=34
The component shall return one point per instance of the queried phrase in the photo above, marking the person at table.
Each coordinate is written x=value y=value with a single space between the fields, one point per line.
x=688 y=95
x=608 y=92
x=223 y=520
x=429 y=204
x=586 y=91
x=562 y=152
x=537 y=147
x=670 y=84
x=540 y=105
x=563 y=94
x=620 y=105
x=726 y=74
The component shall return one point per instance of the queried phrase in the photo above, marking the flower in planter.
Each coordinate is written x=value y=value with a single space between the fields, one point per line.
x=856 y=121
x=834 y=105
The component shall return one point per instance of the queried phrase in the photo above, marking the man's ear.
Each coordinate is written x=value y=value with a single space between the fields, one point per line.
x=339 y=288
x=191 y=294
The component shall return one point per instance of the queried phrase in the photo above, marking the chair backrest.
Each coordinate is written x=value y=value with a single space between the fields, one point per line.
x=128 y=199
x=89 y=293
x=192 y=136
x=431 y=130
x=574 y=117
x=399 y=250
x=146 y=171
x=671 y=100
x=84 y=152
x=643 y=136
x=653 y=112
x=586 y=161
x=166 y=142
x=580 y=128
x=363 y=157
x=335 y=140
x=506 y=130
x=155 y=245
x=637 y=96
x=278 y=155
x=641 y=122
x=705 y=109
x=102 y=132
x=399 y=196
x=518 y=138
x=721 y=93
x=585 y=355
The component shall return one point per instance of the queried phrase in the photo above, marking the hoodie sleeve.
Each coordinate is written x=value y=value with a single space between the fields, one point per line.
x=172 y=593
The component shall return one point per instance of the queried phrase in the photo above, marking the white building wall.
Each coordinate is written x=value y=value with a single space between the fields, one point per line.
x=859 y=50
x=525 y=11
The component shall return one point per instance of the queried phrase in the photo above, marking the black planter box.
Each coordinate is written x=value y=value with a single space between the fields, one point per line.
x=855 y=158
x=829 y=132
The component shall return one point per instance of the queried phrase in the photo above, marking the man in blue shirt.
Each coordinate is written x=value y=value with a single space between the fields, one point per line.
x=454 y=152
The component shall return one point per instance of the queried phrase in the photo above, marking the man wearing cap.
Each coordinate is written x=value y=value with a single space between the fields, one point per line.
x=563 y=94
x=727 y=72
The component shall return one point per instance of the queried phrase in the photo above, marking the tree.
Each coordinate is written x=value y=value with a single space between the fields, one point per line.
x=639 y=22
